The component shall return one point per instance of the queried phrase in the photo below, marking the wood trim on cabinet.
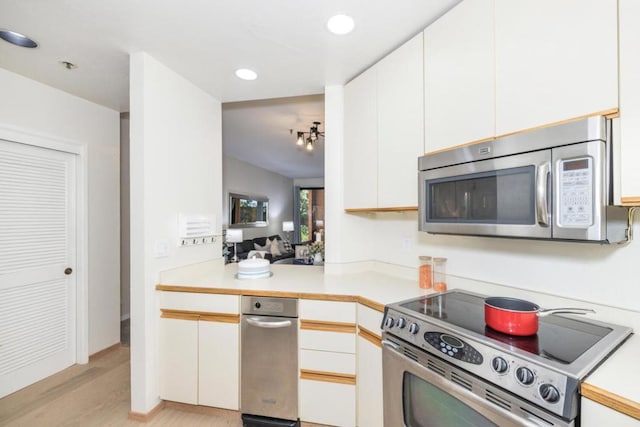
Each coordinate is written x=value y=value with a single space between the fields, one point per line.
x=371 y=304
x=321 y=325
x=630 y=201
x=199 y=315
x=392 y=209
x=372 y=337
x=328 y=377
x=611 y=400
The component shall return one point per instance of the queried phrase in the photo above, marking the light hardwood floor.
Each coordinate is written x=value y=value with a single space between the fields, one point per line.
x=98 y=394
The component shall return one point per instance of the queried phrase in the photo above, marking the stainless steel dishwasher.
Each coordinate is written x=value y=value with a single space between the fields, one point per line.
x=269 y=362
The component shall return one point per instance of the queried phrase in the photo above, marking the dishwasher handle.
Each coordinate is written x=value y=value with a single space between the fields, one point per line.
x=270 y=324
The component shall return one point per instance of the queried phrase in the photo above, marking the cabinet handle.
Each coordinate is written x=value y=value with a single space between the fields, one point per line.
x=260 y=323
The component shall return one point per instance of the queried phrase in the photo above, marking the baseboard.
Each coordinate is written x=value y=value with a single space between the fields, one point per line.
x=102 y=352
x=143 y=418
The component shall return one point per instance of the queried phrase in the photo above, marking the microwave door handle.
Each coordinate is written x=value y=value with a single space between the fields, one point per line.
x=542 y=212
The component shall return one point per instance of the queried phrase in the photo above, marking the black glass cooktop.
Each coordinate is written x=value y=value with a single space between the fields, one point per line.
x=559 y=338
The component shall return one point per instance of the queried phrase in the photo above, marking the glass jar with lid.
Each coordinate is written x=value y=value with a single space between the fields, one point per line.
x=426 y=272
x=439 y=274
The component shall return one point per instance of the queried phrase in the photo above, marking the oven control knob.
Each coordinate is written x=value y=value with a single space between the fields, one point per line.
x=401 y=323
x=524 y=376
x=389 y=322
x=499 y=365
x=414 y=328
x=549 y=393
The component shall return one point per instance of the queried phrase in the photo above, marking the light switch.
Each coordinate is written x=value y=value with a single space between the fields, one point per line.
x=161 y=248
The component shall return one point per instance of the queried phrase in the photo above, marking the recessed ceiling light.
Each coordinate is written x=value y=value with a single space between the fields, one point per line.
x=17 y=39
x=246 y=74
x=340 y=24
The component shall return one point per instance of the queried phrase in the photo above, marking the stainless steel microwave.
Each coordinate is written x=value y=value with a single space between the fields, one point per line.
x=550 y=183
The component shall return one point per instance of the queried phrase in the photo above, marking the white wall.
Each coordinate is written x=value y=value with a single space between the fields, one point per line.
x=36 y=108
x=601 y=274
x=348 y=238
x=176 y=167
x=244 y=178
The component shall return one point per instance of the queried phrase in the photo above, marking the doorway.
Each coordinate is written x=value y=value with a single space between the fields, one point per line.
x=309 y=214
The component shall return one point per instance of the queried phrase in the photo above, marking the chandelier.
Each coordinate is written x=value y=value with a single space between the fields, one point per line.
x=308 y=139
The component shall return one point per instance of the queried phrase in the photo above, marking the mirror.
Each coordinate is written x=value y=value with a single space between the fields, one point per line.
x=248 y=211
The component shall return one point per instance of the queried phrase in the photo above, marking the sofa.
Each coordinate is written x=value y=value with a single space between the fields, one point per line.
x=249 y=245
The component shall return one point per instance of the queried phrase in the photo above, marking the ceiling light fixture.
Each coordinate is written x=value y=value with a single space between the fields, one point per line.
x=314 y=135
x=246 y=74
x=340 y=24
x=68 y=65
x=17 y=39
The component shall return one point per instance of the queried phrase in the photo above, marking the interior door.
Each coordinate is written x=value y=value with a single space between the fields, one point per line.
x=37 y=259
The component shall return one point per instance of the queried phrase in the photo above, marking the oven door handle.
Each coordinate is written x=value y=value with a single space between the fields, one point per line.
x=391 y=344
x=542 y=212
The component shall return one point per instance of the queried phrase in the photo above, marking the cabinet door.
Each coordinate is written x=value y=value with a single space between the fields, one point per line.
x=178 y=360
x=628 y=172
x=593 y=414
x=369 y=384
x=459 y=76
x=400 y=124
x=361 y=142
x=219 y=364
x=327 y=403
x=555 y=60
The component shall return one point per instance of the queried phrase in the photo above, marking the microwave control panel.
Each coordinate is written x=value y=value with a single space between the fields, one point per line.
x=576 y=192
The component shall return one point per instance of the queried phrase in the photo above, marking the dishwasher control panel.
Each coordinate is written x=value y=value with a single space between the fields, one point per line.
x=270 y=306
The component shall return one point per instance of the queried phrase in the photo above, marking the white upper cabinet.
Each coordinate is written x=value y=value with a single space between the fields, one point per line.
x=400 y=124
x=555 y=60
x=360 y=141
x=459 y=76
x=628 y=140
x=384 y=131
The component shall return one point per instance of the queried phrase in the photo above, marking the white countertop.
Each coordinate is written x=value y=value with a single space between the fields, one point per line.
x=618 y=376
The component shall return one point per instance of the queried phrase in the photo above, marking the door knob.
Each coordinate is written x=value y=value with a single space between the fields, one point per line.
x=68 y=271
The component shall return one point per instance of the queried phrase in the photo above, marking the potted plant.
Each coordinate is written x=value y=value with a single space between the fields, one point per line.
x=316 y=251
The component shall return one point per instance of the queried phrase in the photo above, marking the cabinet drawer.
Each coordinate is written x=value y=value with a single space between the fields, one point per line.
x=200 y=302
x=370 y=319
x=328 y=341
x=325 y=361
x=330 y=311
x=327 y=403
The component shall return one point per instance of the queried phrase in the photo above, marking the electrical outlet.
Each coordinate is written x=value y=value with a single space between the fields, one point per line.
x=406 y=244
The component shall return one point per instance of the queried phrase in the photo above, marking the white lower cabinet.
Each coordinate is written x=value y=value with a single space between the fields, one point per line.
x=218 y=364
x=327 y=362
x=199 y=343
x=178 y=359
x=370 y=408
x=593 y=414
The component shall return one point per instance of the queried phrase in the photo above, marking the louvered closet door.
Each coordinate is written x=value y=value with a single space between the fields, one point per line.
x=37 y=244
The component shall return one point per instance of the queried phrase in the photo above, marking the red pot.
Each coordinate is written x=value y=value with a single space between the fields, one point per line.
x=518 y=317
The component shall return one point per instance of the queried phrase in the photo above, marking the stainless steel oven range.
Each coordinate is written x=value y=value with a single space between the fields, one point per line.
x=443 y=366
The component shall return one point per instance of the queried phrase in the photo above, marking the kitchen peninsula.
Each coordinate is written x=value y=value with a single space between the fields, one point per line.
x=362 y=295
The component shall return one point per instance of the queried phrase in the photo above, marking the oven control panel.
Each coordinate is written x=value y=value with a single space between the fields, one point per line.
x=454 y=347
x=518 y=374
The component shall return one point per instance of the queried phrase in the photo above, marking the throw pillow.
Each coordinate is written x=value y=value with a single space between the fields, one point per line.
x=266 y=247
x=287 y=246
x=281 y=247
x=275 y=251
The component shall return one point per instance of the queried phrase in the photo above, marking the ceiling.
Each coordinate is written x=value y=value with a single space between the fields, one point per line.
x=285 y=41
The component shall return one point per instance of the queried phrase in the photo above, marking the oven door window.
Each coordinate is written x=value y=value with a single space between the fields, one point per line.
x=425 y=405
x=505 y=196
